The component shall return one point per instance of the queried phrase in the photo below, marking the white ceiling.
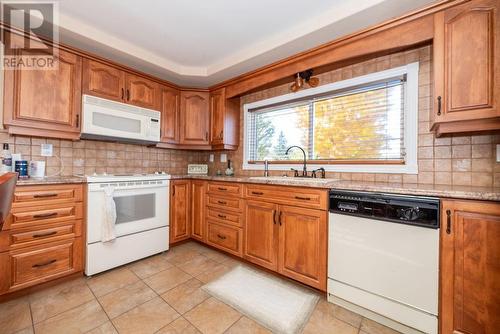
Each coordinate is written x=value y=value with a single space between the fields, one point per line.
x=201 y=42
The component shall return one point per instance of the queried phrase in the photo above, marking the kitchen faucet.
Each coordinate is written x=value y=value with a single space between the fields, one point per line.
x=266 y=168
x=304 y=169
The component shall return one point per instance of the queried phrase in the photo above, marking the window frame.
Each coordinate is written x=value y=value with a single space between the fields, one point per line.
x=410 y=114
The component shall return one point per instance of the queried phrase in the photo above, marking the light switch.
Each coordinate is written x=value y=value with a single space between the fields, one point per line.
x=498 y=152
x=46 y=150
x=211 y=157
x=223 y=157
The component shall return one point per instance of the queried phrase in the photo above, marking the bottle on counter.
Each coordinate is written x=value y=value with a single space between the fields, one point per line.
x=6 y=159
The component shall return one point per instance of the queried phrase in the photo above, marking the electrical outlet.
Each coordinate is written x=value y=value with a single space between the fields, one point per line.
x=211 y=157
x=223 y=157
x=46 y=150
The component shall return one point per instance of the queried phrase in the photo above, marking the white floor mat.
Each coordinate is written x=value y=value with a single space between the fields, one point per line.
x=281 y=306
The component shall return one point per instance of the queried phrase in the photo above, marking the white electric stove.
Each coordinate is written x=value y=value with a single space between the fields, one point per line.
x=142 y=219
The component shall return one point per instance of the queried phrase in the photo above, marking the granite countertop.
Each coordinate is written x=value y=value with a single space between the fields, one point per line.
x=51 y=180
x=443 y=191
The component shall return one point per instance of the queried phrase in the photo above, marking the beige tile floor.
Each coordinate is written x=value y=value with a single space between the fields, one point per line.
x=160 y=294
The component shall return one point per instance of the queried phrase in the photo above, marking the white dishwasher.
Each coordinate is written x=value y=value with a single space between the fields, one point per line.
x=383 y=258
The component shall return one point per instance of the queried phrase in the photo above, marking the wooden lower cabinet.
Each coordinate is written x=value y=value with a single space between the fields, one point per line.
x=261 y=234
x=470 y=267
x=228 y=238
x=43 y=238
x=35 y=265
x=179 y=210
x=198 y=190
x=287 y=239
x=303 y=245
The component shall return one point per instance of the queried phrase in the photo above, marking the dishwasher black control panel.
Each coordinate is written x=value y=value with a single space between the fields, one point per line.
x=411 y=210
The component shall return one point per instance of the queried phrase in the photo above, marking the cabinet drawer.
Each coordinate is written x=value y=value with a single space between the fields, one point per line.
x=26 y=237
x=230 y=218
x=297 y=196
x=231 y=204
x=227 y=238
x=39 y=264
x=38 y=195
x=222 y=188
x=42 y=215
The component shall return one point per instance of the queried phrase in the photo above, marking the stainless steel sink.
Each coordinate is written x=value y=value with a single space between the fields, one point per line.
x=286 y=179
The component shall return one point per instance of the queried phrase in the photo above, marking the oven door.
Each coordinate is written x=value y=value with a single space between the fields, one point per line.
x=138 y=209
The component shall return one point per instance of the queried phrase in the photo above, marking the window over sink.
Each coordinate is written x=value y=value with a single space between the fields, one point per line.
x=363 y=124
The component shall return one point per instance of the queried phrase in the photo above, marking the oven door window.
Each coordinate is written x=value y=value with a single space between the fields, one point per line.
x=135 y=208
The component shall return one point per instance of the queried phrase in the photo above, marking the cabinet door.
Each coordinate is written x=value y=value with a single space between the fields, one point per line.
x=170 y=115
x=261 y=232
x=467 y=62
x=103 y=81
x=30 y=266
x=303 y=245
x=179 y=210
x=44 y=102
x=470 y=267
x=217 y=118
x=198 y=209
x=194 y=118
x=141 y=91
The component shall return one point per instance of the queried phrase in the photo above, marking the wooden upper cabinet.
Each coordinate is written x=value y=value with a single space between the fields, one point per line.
x=170 y=118
x=195 y=118
x=224 y=121
x=216 y=118
x=303 y=245
x=261 y=234
x=141 y=92
x=470 y=267
x=198 y=189
x=467 y=68
x=44 y=102
x=114 y=84
x=179 y=210
x=103 y=81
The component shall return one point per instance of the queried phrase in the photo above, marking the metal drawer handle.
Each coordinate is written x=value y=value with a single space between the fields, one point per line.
x=223 y=189
x=448 y=222
x=274 y=216
x=303 y=198
x=39 y=265
x=279 y=218
x=221 y=216
x=222 y=202
x=257 y=193
x=439 y=105
x=45 y=215
x=44 y=234
x=44 y=195
x=221 y=237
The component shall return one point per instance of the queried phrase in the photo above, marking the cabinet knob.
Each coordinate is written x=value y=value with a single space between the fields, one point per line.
x=439 y=106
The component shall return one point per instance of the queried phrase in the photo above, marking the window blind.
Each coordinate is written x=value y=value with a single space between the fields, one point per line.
x=364 y=123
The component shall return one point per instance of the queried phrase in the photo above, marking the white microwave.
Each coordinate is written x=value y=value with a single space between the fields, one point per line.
x=111 y=120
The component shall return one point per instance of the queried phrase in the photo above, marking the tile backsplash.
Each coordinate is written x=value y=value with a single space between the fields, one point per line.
x=457 y=160
x=88 y=156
